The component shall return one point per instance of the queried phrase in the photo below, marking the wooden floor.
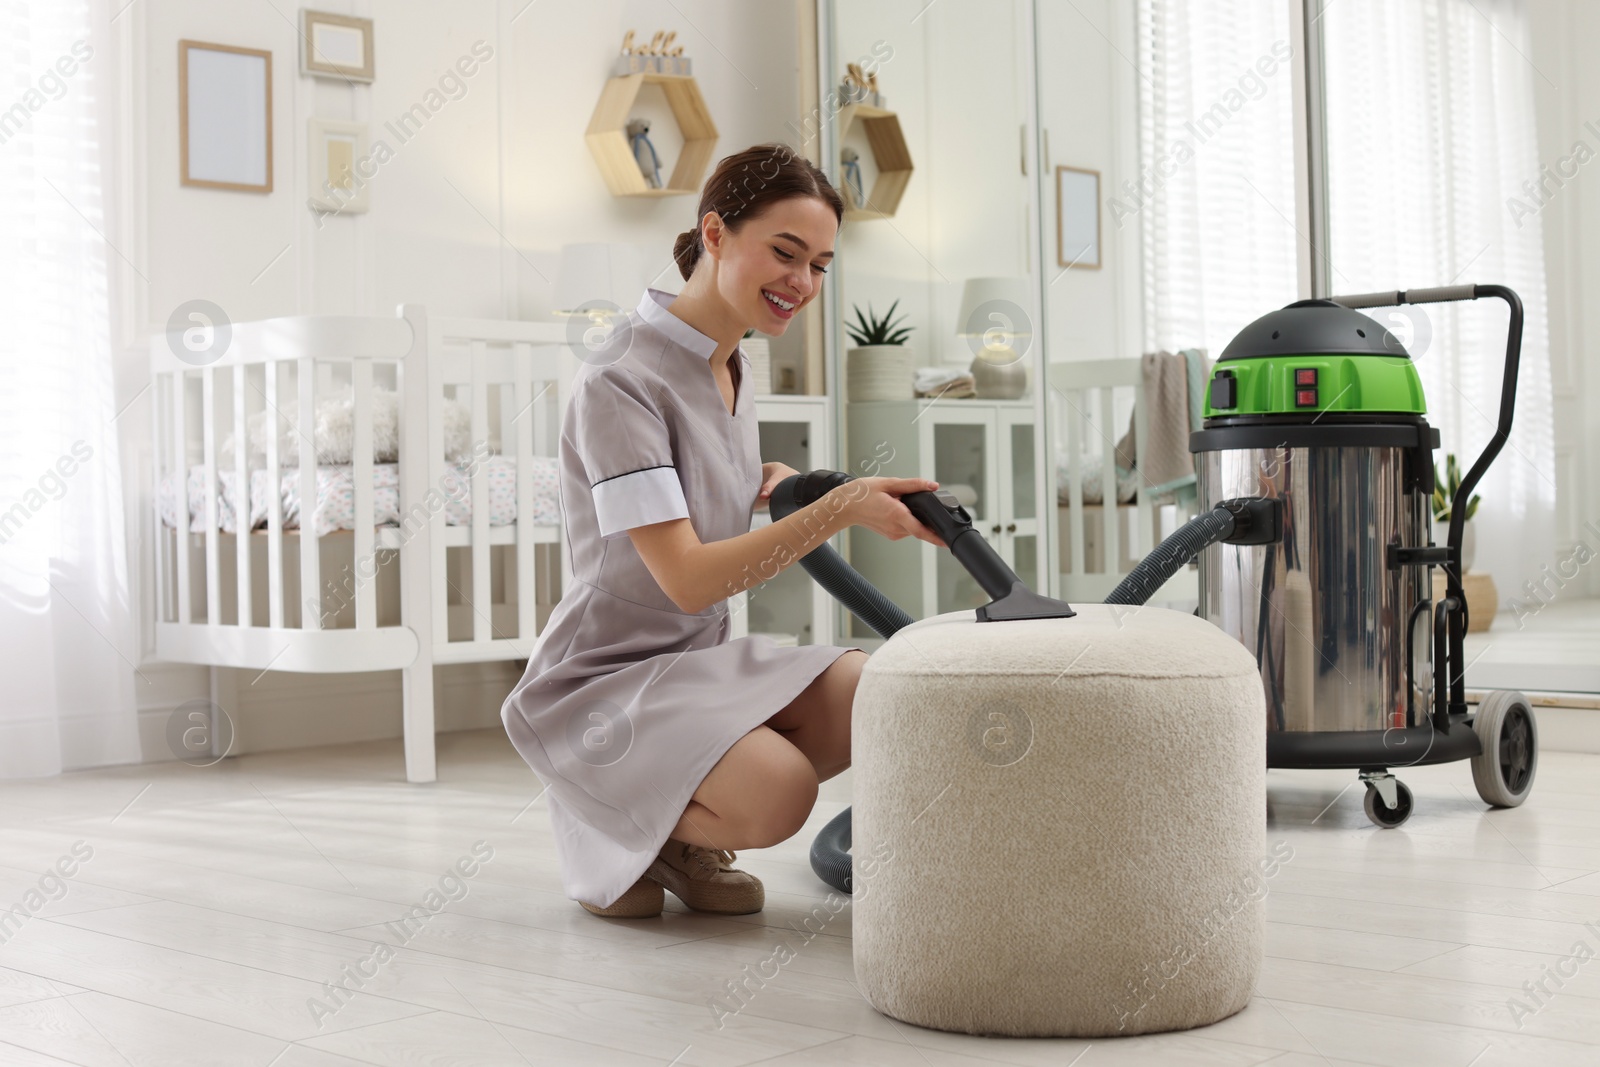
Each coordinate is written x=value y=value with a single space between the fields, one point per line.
x=217 y=902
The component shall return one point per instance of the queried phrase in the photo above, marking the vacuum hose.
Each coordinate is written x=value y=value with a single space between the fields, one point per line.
x=1152 y=572
x=1244 y=521
x=830 y=852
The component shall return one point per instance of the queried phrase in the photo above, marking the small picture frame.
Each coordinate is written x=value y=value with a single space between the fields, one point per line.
x=1078 y=218
x=335 y=46
x=339 y=161
x=224 y=117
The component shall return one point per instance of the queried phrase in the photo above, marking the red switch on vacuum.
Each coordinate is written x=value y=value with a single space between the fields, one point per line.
x=1305 y=376
x=1305 y=398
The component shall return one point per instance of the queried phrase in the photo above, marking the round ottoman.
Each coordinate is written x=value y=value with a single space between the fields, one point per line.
x=1059 y=824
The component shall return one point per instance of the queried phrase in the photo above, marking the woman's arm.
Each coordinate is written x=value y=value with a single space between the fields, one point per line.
x=696 y=574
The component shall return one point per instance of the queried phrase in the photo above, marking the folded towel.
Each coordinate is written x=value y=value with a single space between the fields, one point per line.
x=927 y=377
x=962 y=385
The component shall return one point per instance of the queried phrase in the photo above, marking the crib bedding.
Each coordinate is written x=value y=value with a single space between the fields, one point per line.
x=335 y=504
x=335 y=508
x=1091 y=485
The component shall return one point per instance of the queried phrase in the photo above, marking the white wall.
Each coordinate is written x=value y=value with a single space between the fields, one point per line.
x=470 y=214
x=467 y=218
x=1567 y=88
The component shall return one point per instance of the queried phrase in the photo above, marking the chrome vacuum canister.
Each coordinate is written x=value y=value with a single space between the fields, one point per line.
x=1318 y=407
x=1318 y=410
x=1321 y=608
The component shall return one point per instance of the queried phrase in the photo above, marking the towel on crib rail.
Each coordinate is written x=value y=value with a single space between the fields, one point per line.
x=335 y=504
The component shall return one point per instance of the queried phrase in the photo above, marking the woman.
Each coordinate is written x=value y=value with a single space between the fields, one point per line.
x=664 y=746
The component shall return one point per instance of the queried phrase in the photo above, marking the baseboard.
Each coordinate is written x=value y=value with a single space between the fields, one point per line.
x=1567 y=729
x=279 y=710
x=282 y=711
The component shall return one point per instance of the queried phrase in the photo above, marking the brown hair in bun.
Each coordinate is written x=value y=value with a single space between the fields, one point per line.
x=747 y=183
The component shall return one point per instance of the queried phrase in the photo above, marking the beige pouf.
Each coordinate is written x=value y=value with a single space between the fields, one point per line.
x=1059 y=825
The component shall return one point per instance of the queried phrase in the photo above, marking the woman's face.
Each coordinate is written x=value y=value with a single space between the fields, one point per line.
x=784 y=252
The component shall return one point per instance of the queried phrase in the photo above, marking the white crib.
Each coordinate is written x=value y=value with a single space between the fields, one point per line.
x=1091 y=404
x=414 y=594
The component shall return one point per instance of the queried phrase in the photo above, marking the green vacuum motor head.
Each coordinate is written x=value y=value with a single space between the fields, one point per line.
x=1314 y=356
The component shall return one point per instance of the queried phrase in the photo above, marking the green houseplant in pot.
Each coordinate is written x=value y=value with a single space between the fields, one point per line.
x=880 y=366
x=1445 y=491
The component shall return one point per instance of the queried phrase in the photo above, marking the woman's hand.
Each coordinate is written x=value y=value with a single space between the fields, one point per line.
x=875 y=503
x=771 y=475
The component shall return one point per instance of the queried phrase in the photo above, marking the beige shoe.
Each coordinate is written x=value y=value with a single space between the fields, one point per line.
x=704 y=880
x=642 y=900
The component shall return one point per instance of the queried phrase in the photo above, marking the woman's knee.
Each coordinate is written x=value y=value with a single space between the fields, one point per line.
x=787 y=795
x=764 y=785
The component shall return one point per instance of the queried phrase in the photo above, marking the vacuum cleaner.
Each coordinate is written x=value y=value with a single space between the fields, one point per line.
x=1315 y=552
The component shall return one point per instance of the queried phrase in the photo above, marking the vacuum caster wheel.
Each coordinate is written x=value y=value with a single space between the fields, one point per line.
x=1384 y=814
x=1505 y=726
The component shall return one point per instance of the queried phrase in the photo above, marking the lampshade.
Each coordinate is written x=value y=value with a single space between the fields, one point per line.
x=608 y=272
x=994 y=307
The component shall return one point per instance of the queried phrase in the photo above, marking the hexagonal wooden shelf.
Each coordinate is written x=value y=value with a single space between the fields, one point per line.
x=608 y=138
x=889 y=152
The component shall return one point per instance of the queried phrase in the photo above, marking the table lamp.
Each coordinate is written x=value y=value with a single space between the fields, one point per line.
x=991 y=317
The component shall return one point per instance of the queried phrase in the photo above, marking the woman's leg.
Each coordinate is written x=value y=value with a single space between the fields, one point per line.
x=759 y=793
x=763 y=788
x=817 y=722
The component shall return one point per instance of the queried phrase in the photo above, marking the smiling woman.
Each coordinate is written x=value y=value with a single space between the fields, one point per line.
x=665 y=745
x=761 y=275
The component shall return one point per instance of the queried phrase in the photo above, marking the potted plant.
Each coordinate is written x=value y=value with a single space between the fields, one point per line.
x=1444 y=500
x=759 y=349
x=880 y=367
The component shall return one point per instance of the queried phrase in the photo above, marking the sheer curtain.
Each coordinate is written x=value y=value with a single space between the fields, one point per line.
x=1216 y=195
x=66 y=628
x=1431 y=135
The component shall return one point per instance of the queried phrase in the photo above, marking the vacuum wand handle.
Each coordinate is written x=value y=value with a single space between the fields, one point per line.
x=942 y=513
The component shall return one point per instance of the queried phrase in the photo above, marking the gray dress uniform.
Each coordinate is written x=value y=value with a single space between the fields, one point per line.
x=628 y=701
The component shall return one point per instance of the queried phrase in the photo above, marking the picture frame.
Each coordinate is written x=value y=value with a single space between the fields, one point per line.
x=1077 y=218
x=224 y=117
x=335 y=46
x=334 y=149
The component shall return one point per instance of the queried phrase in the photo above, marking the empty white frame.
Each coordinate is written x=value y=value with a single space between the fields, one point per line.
x=335 y=46
x=225 y=116
x=1078 y=218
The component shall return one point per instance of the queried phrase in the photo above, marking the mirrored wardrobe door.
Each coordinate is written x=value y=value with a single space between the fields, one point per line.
x=1167 y=191
x=935 y=371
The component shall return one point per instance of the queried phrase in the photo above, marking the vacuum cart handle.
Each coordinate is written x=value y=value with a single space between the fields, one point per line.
x=1394 y=297
x=1508 y=403
x=1508 y=386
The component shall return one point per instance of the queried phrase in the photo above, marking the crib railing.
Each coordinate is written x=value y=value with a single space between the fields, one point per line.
x=517 y=376
x=511 y=375
x=1090 y=405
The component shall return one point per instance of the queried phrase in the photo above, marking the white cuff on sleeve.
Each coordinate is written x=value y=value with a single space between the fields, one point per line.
x=638 y=498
